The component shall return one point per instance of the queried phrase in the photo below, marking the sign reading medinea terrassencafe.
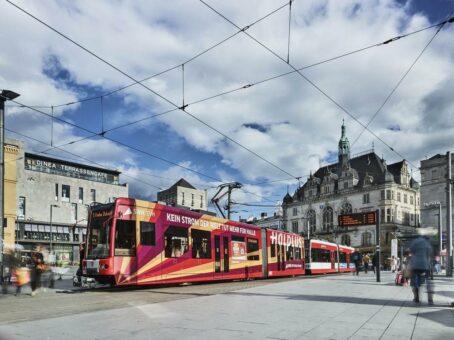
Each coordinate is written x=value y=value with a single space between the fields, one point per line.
x=64 y=168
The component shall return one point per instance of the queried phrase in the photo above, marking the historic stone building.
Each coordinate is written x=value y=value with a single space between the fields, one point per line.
x=355 y=184
x=434 y=185
x=183 y=194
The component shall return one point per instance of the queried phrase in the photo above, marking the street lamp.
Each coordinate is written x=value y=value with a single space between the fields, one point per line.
x=4 y=96
x=50 y=243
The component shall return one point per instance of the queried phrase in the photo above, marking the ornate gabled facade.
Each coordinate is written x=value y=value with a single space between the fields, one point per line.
x=354 y=184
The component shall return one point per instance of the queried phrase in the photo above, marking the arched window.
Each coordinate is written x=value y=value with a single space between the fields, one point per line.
x=327 y=219
x=346 y=208
x=346 y=240
x=312 y=220
x=366 y=239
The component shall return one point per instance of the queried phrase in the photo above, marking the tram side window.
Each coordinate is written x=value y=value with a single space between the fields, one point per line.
x=297 y=253
x=176 y=241
x=320 y=255
x=290 y=253
x=125 y=238
x=201 y=244
x=342 y=257
x=273 y=249
x=147 y=233
x=253 y=249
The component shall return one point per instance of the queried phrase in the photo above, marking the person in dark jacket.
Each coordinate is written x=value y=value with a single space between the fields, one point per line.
x=420 y=264
x=356 y=258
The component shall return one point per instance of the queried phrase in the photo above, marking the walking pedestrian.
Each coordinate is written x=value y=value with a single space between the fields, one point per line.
x=374 y=262
x=420 y=263
x=366 y=260
x=37 y=269
x=393 y=264
x=356 y=258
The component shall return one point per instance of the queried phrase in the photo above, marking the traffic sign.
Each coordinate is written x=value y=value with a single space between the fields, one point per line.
x=357 y=219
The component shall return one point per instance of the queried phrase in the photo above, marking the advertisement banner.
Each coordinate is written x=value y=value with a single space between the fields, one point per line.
x=239 y=251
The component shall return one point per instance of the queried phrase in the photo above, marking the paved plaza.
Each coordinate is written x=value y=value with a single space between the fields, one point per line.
x=324 y=307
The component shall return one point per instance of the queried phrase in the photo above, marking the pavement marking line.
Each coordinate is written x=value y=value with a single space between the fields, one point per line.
x=393 y=318
x=414 y=326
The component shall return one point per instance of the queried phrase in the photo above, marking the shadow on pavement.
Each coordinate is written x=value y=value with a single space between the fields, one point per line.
x=438 y=316
x=339 y=299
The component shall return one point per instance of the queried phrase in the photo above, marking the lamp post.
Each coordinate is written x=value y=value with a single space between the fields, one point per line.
x=4 y=96
x=50 y=243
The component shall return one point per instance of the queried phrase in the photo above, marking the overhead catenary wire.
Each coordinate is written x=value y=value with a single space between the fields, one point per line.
x=401 y=79
x=313 y=84
x=75 y=155
x=197 y=55
x=183 y=109
x=295 y=71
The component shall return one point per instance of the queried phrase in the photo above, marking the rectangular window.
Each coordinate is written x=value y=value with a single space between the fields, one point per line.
x=398 y=196
x=345 y=185
x=295 y=211
x=295 y=227
x=65 y=194
x=192 y=200
x=125 y=238
x=405 y=198
x=273 y=249
x=201 y=201
x=320 y=255
x=56 y=191
x=253 y=249
x=73 y=211
x=147 y=233
x=81 y=195
x=21 y=207
x=201 y=244
x=176 y=241
x=382 y=194
x=434 y=174
x=182 y=198
x=366 y=198
x=93 y=195
x=411 y=199
x=388 y=215
x=388 y=194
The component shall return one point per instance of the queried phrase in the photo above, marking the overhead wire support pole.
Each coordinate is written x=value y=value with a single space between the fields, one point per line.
x=289 y=29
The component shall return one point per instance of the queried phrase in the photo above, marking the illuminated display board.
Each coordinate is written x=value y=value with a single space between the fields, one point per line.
x=352 y=220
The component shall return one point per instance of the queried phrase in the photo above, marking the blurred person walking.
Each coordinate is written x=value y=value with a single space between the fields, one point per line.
x=356 y=258
x=420 y=264
x=38 y=267
x=366 y=260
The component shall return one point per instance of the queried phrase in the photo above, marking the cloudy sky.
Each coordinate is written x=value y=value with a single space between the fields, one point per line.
x=249 y=116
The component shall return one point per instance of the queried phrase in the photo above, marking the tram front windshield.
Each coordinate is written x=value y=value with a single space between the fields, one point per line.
x=99 y=235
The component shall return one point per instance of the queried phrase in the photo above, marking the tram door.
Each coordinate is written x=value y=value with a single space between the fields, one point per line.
x=333 y=259
x=217 y=254
x=225 y=241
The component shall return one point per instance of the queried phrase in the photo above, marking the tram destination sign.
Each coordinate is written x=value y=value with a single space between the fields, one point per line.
x=353 y=220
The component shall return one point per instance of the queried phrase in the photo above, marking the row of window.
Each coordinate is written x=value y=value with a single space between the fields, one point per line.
x=389 y=195
x=45 y=236
x=66 y=194
x=176 y=241
x=21 y=209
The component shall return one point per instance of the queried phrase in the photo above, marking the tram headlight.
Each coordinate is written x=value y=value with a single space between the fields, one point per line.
x=103 y=266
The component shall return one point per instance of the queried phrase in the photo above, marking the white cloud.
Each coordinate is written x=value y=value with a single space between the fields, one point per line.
x=301 y=126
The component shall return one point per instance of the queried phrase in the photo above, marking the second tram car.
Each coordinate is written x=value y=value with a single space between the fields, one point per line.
x=324 y=257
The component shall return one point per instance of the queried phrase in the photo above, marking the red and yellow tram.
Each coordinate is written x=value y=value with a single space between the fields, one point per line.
x=134 y=242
